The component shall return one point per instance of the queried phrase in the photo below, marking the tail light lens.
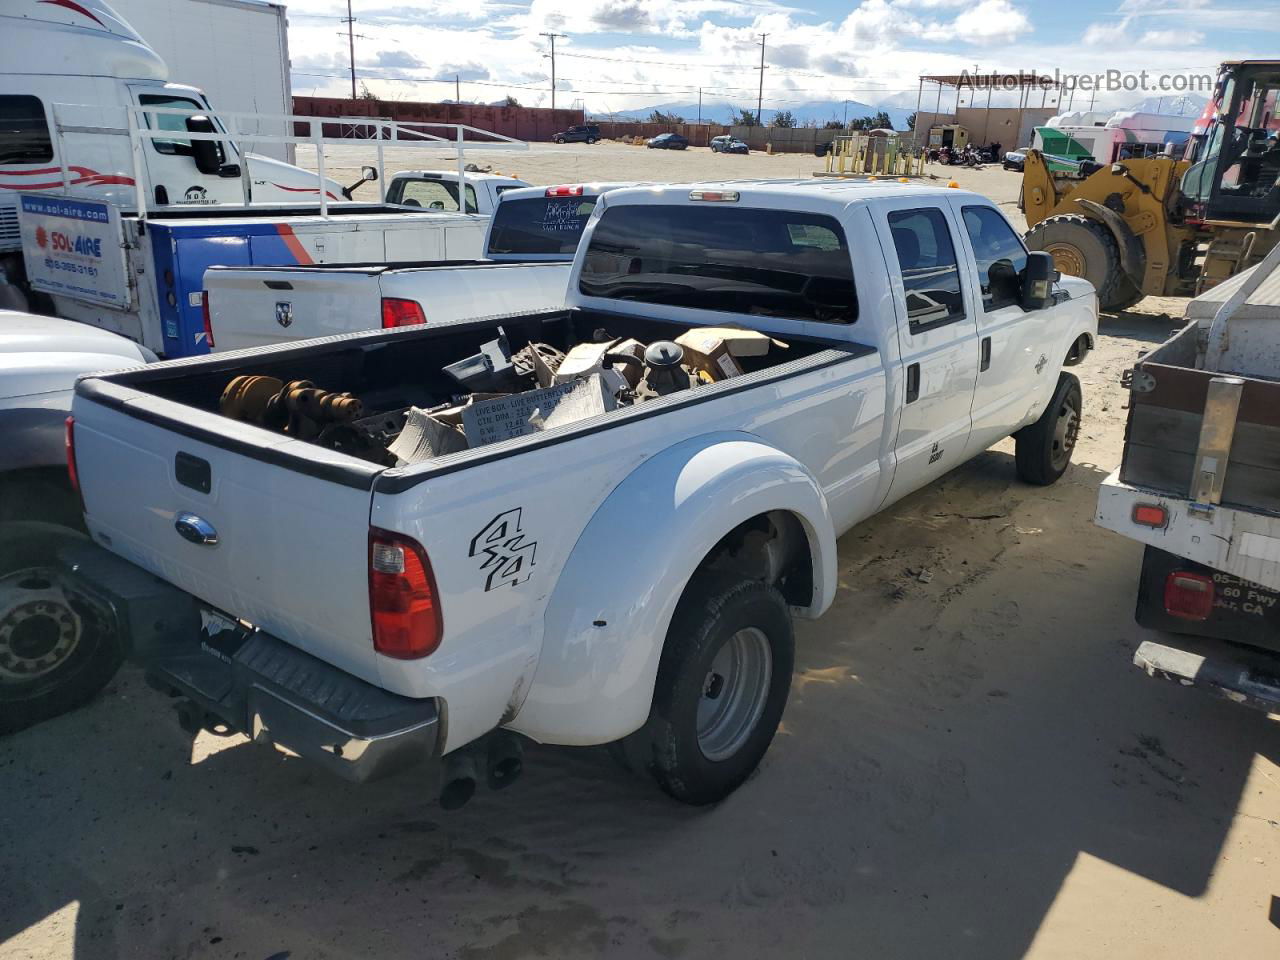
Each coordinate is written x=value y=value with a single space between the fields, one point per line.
x=403 y=603
x=565 y=190
x=401 y=313
x=1188 y=595
x=73 y=475
x=208 y=322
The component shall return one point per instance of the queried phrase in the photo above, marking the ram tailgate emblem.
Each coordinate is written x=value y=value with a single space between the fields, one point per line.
x=284 y=312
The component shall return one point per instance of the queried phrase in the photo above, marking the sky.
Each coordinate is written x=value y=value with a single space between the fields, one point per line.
x=626 y=54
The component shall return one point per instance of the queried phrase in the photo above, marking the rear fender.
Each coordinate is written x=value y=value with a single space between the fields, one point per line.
x=607 y=618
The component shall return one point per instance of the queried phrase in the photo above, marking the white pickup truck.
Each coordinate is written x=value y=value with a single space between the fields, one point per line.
x=625 y=577
x=528 y=250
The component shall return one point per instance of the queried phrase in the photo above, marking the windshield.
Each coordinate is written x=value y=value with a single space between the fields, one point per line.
x=774 y=263
x=539 y=225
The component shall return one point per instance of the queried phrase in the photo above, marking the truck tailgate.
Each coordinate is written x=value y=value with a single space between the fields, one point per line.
x=480 y=290
x=251 y=308
x=291 y=551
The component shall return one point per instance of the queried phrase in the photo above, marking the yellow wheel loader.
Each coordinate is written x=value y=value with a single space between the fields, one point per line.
x=1167 y=226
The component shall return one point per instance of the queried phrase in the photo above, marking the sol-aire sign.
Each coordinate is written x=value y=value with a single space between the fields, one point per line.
x=73 y=248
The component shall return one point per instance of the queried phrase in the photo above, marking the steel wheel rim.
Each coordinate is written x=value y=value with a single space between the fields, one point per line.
x=1065 y=432
x=734 y=693
x=1066 y=258
x=39 y=629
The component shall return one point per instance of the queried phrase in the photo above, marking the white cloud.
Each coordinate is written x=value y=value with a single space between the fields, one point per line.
x=991 y=21
x=1172 y=38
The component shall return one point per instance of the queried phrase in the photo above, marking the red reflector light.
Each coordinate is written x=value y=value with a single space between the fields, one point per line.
x=1150 y=515
x=1188 y=595
x=208 y=322
x=714 y=196
x=403 y=604
x=73 y=475
x=565 y=190
x=401 y=313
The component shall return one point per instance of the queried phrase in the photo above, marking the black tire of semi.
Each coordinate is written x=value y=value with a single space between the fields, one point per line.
x=1098 y=249
x=709 y=614
x=89 y=665
x=1037 y=447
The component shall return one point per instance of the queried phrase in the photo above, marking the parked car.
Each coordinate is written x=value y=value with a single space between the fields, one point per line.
x=625 y=577
x=728 y=145
x=579 y=133
x=667 y=141
x=1014 y=160
x=53 y=657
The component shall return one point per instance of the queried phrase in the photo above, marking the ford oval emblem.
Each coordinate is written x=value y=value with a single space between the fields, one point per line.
x=195 y=529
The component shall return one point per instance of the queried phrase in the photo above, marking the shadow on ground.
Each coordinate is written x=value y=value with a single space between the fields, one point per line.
x=964 y=724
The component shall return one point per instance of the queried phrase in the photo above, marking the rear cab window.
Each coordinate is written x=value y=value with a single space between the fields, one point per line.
x=24 y=131
x=539 y=225
x=745 y=260
x=930 y=275
x=438 y=195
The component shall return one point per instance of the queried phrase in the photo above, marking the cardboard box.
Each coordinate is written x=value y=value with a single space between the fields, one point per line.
x=739 y=341
x=708 y=354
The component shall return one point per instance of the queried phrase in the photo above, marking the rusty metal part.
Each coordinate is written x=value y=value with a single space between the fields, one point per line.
x=246 y=397
x=299 y=407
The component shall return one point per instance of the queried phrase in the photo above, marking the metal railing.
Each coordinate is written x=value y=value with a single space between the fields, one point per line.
x=387 y=133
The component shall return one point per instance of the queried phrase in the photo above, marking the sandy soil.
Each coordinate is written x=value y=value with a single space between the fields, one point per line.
x=969 y=768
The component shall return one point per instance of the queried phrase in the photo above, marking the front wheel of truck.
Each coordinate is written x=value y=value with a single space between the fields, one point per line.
x=722 y=684
x=1042 y=451
x=54 y=654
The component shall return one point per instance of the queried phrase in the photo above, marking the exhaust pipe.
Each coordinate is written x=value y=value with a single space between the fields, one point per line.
x=506 y=760
x=459 y=780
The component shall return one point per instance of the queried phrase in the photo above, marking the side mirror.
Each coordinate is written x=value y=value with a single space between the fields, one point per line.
x=204 y=152
x=1038 y=279
x=369 y=174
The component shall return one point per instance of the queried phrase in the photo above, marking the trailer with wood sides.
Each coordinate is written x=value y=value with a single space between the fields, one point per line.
x=1199 y=486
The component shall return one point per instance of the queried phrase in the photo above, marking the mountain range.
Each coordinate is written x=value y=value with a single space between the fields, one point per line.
x=722 y=111
x=820 y=111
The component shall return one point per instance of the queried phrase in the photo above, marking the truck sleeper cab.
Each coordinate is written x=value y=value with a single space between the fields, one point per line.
x=627 y=578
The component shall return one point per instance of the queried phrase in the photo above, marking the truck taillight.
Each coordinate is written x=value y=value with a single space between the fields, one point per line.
x=565 y=190
x=73 y=475
x=1188 y=595
x=208 y=321
x=403 y=603
x=401 y=313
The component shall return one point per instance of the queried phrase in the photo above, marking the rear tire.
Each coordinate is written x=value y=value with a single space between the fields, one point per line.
x=54 y=654
x=1085 y=248
x=722 y=684
x=1042 y=451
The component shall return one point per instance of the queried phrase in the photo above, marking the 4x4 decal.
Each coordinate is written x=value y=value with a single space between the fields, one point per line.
x=506 y=554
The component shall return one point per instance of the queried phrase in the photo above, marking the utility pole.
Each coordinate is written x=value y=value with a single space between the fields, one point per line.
x=552 y=37
x=351 y=47
x=699 y=106
x=457 y=88
x=760 y=95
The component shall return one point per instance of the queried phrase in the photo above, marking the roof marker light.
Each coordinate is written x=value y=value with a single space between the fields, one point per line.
x=565 y=190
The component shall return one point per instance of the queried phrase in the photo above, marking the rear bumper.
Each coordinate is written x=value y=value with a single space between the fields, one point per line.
x=252 y=682
x=1239 y=676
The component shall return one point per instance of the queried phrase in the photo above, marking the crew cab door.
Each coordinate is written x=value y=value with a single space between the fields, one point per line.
x=172 y=173
x=937 y=338
x=1012 y=342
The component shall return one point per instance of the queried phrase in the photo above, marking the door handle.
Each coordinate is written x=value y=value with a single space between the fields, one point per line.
x=986 y=354
x=913 y=382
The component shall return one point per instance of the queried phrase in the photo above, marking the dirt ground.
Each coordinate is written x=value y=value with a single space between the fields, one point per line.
x=969 y=767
